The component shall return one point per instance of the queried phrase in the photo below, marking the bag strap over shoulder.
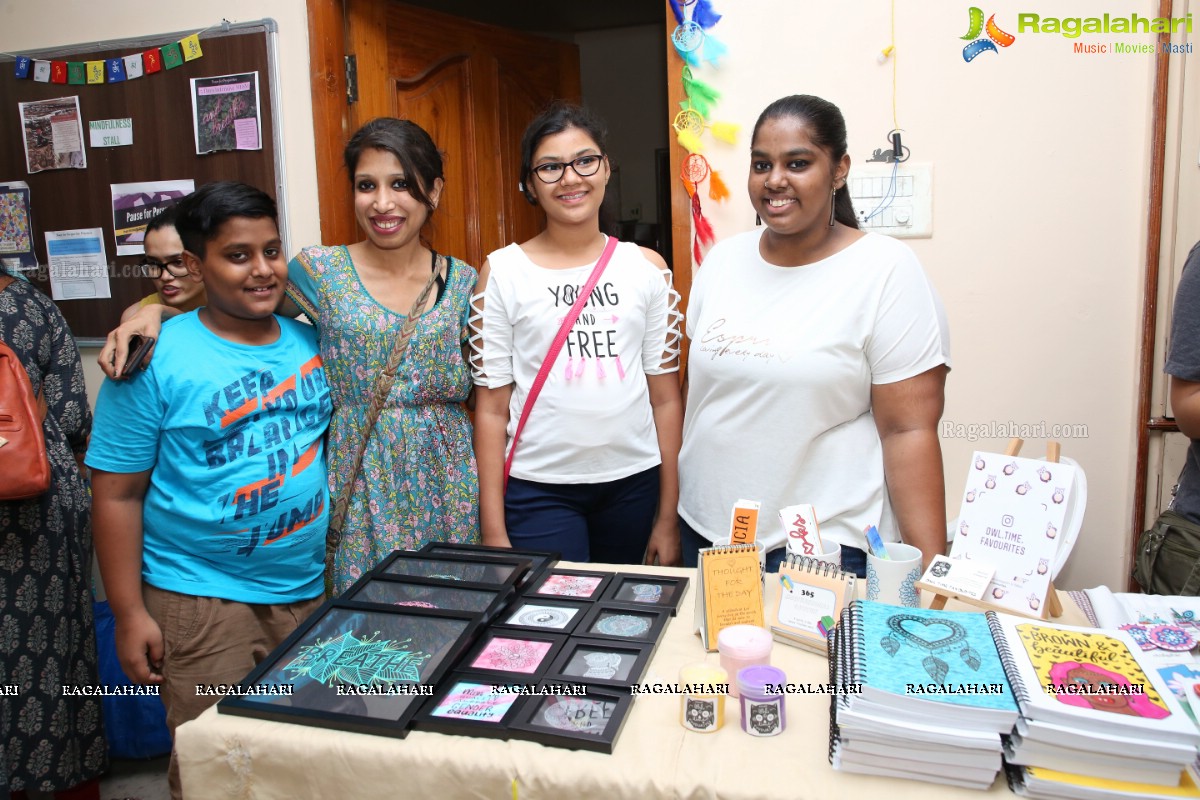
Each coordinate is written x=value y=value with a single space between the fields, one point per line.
x=379 y=395
x=559 y=339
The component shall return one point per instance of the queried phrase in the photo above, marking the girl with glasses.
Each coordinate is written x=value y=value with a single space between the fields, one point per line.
x=593 y=473
x=163 y=264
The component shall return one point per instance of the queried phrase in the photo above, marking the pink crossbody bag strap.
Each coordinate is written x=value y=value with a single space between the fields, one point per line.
x=556 y=346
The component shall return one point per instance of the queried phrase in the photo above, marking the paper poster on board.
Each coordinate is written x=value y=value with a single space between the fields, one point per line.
x=1012 y=511
x=225 y=113
x=78 y=266
x=16 y=228
x=135 y=204
x=53 y=134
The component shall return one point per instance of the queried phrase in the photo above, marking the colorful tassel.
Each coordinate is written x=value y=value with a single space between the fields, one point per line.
x=701 y=96
x=717 y=189
x=703 y=236
x=725 y=131
x=714 y=49
x=689 y=141
x=704 y=15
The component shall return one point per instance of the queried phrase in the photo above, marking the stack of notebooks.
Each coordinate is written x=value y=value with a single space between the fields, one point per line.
x=924 y=695
x=1095 y=722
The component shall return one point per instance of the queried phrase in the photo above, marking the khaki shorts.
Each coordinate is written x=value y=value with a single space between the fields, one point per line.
x=208 y=642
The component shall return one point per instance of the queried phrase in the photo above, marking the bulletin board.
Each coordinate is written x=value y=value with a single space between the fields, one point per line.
x=163 y=148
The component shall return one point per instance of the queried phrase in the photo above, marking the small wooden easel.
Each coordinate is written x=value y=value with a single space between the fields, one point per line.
x=1052 y=608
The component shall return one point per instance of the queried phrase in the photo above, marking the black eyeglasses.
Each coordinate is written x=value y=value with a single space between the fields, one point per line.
x=552 y=171
x=153 y=268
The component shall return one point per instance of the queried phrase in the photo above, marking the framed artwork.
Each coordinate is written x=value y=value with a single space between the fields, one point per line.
x=458 y=568
x=512 y=656
x=659 y=591
x=476 y=598
x=542 y=614
x=355 y=667
x=472 y=705
x=589 y=722
x=600 y=662
x=539 y=559
x=575 y=584
x=624 y=623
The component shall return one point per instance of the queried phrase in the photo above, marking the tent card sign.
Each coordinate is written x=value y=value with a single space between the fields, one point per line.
x=1012 y=511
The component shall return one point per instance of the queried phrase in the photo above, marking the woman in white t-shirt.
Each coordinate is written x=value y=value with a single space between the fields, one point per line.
x=818 y=360
x=594 y=473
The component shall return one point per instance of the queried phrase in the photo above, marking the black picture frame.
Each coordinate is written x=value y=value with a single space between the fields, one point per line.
x=478 y=710
x=544 y=607
x=570 y=580
x=588 y=722
x=454 y=568
x=624 y=589
x=304 y=662
x=540 y=560
x=623 y=623
x=512 y=656
x=573 y=667
x=485 y=599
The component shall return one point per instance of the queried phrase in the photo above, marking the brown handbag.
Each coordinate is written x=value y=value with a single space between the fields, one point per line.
x=23 y=459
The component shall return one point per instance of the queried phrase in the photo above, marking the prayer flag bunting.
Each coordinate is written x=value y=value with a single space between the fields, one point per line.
x=172 y=56
x=191 y=47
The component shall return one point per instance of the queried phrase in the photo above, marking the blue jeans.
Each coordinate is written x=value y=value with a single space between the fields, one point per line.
x=853 y=559
x=604 y=522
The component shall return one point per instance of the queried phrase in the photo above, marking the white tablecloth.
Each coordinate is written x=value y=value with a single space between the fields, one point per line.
x=223 y=756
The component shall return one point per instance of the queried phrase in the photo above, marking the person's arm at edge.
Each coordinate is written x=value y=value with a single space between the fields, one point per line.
x=1185 y=403
x=117 y=506
x=906 y=415
x=666 y=401
x=491 y=431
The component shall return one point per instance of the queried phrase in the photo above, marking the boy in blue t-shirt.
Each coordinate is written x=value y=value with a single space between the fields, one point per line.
x=210 y=499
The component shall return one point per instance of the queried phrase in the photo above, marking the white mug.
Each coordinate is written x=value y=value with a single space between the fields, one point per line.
x=891 y=581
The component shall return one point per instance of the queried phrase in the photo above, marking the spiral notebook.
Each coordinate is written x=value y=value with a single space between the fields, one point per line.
x=729 y=590
x=1090 y=680
x=942 y=667
x=809 y=601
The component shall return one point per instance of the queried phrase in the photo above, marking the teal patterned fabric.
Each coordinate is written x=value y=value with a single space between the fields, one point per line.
x=418 y=481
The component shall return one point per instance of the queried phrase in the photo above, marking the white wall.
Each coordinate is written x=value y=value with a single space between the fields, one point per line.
x=29 y=26
x=621 y=73
x=1041 y=173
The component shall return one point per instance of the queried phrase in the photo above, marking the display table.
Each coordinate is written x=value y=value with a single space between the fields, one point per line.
x=223 y=756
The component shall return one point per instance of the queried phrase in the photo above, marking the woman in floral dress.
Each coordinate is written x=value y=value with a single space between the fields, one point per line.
x=48 y=742
x=418 y=480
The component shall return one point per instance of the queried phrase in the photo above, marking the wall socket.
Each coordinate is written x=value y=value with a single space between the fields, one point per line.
x=907 y=208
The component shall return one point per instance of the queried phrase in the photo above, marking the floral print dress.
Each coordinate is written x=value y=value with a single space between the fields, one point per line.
x=48 y=741
x=418 y=482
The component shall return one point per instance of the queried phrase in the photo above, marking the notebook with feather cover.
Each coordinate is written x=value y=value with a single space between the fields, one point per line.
x=941 y=663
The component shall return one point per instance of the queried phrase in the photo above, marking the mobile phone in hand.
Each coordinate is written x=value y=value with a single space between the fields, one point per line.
x=139 y=346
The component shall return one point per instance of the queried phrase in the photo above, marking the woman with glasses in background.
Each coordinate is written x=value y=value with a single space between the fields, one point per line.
x=593 y=475
x=163 y=264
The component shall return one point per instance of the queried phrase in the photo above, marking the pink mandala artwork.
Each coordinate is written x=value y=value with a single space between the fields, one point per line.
x=570 y=585
x=512 y=655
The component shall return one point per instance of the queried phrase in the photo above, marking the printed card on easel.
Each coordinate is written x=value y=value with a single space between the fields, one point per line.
x=1012 y=511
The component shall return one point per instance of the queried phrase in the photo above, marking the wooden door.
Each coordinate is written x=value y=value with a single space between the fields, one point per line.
x=474 y=87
